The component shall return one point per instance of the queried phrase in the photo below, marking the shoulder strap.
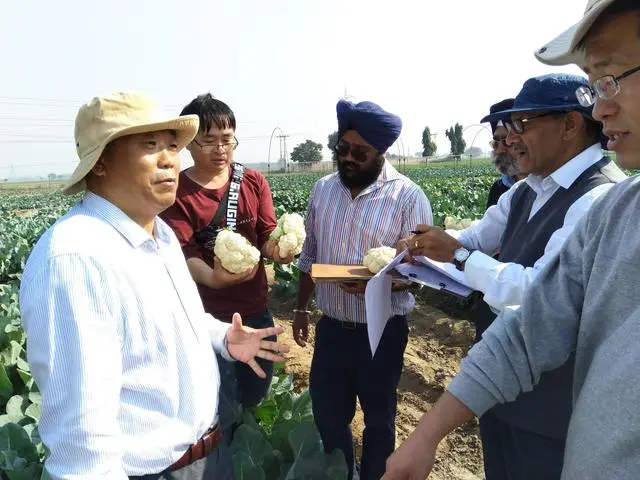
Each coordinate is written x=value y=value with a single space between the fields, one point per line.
x=233 y=194
x=228 y=208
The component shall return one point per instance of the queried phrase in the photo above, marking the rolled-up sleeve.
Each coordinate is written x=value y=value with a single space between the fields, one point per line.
x=74 y=353
x=309 y=249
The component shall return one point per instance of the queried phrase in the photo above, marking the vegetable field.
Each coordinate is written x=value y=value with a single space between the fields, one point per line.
x=267 y=442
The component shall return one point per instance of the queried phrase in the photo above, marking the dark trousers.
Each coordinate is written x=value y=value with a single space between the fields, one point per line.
x=217 y=465
x=511 y=453
x=239 y=385
x=342 y=371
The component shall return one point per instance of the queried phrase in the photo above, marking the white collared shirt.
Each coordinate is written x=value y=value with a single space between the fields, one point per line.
x=118 y=344
x=504 y=284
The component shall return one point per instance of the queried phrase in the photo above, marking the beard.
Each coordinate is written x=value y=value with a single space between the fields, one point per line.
x=354 y=175
x=506 y=164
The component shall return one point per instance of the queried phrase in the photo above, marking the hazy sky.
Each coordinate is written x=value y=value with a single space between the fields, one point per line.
x=276 y=63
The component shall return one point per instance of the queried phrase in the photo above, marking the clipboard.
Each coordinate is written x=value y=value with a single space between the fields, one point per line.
x=323 y=272
x=423 y=274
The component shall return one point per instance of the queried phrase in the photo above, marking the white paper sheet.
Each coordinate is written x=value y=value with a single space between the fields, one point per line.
x=449 y=269
x=424 y=274
x=377 y=296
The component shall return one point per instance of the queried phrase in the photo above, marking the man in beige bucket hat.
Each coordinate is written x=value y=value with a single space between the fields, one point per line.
x=585 y=301
x=118 y=340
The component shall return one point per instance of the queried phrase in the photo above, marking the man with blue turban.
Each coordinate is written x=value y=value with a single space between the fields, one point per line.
x=366 y=204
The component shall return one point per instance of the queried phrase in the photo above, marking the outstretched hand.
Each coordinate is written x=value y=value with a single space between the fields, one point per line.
x=245 y=344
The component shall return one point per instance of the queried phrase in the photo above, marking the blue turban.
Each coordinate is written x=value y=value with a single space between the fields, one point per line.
x=379 y=128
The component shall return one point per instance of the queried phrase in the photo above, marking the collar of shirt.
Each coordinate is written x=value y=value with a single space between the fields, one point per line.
x=508 y=181
x=567 y=173
x=130 y=230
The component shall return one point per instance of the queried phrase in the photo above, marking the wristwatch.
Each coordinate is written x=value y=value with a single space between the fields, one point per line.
x=461 y=255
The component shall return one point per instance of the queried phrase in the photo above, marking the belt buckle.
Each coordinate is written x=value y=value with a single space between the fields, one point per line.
x=348 y=325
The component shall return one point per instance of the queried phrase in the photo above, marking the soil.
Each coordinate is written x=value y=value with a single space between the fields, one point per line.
x=440 y=335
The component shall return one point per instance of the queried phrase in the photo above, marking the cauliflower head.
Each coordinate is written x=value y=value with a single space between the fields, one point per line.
x=377 y=258
x=235 y=252
x=290 y=234
x=451 y=223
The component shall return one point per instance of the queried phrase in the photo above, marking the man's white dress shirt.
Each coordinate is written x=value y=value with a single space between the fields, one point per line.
x=504 y=284
x=118 y=344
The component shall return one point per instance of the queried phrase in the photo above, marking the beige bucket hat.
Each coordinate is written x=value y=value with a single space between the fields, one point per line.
x=115 y=115
x=562 y=49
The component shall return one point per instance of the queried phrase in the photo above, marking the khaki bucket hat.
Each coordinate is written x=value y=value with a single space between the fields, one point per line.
x=116 y=115
x=562 y=49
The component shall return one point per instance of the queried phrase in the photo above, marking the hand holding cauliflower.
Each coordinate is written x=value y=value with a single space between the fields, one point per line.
x=289 y=234
x=378 y=258
x=235 y=252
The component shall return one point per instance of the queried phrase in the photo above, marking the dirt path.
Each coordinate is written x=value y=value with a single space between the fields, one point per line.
x=437 y=343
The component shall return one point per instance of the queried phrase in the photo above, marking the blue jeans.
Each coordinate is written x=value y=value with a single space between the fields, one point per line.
x=343 y=371
x=240 y=387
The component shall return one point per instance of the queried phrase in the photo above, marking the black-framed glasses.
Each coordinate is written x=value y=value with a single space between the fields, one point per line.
x=518 y=125
x=358 y=153
x=604 y=87
x=210 y=147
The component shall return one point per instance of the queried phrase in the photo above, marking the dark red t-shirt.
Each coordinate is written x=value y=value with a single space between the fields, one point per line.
x=195 y=207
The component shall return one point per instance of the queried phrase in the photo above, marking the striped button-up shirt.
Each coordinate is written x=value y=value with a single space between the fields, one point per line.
x=340 y=230
x=119 y=345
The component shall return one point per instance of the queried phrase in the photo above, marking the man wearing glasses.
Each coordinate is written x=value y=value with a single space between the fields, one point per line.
x=585 y=301
x=502 y=159
x=556 y=141
x=207 y=200
x=366 y=204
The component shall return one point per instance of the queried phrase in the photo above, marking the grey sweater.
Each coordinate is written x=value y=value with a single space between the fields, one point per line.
x=587 y=301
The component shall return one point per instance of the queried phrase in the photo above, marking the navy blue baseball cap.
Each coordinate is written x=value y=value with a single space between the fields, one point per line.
x=552 y=92
x=499 y=107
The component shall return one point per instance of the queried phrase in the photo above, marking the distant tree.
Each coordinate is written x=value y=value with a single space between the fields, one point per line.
x=332 y=141
x=473 y=151
x=454 y=134
x=309 y=151
x=428 y=147
x=52 y=176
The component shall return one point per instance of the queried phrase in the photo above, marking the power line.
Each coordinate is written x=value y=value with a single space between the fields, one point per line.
x=41 y=164
x=35 y=119
x=2 y=140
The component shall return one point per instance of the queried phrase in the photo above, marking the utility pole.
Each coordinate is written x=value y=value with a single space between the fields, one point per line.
x=283 y=149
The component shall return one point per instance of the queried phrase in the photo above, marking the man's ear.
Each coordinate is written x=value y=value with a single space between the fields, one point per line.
x=99 y=169
x=574 y=124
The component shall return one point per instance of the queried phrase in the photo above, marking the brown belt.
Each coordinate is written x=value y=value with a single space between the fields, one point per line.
x=203 y=447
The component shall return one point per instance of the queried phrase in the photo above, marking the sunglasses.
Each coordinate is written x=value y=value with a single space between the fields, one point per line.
x=358 y=153
x=518 y=125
